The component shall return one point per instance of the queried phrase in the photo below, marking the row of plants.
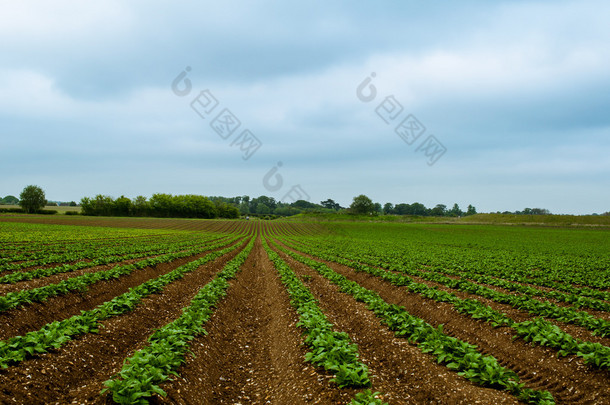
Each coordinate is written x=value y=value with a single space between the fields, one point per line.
x=55 y=334
x=455 y=354
x=538 y=331
x=577 y=257
x=36 y=241
x=142 y=373
x=578 y=295
x=90 y=251
x=80 y=283
x=329 y=349
x=574 y=297
x=136 y=252
x=547 y=309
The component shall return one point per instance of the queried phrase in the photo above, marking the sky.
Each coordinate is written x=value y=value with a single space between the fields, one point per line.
x=502 y=105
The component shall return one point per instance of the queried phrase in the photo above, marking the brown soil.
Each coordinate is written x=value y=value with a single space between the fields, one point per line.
x=399 y=370
x=76 y=372
x=34 y=316
x=568 y=379
x=253 y=353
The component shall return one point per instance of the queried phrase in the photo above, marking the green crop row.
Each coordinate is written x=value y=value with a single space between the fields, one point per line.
x=330 y=349
x=137 y=253
x=80 y=283
x=57 y=333
x=547 y=309
x=538 y=331
x=455 y=354
x=90 y=251
x=142 y=373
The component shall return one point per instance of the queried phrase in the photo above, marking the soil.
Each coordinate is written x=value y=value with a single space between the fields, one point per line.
x=569 y=379
x=75 y=373
x=253 y=351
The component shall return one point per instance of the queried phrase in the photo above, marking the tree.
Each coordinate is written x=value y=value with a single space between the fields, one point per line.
x=226 y=210
x=10 y=200
x=418 y=209
x=439 y=211
x=456 y=211
x=388 y=208
x=262 y=208
x=302 y=204
x=139 y=206
x=471 y=210
x=378 y=208
x=122 y=207
x=32 y=199
x=72 y=204
x=362 y=205
x=330 y=204
x=244 y=207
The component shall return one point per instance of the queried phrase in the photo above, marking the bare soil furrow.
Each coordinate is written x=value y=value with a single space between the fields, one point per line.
x=398 y=369
x=33 y=316
x=569 y=379
x=253 y=352
x=75 y=373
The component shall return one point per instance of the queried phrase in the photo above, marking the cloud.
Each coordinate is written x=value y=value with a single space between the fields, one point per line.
x=516 y=91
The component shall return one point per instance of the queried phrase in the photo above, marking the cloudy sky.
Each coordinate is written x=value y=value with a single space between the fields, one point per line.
x=502 y=105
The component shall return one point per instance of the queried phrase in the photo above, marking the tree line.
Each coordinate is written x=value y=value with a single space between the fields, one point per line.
x=159 y=205
x=32 y=200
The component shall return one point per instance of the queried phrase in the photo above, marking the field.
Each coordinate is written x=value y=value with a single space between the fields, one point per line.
x=137 y=310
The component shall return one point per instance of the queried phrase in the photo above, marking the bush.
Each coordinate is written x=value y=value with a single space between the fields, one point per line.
x=72 y=213
x=46 y=212
x=12 y=210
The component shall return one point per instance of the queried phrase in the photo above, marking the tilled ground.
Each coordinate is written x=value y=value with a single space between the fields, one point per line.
x=75 y=373
x=568 y=379
x=402 y=372
x=27 y=318
x=253 y=351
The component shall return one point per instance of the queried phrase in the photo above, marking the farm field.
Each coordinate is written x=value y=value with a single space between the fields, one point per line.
x=139 y=310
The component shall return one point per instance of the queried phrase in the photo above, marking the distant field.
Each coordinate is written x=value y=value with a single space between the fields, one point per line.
x=491 y=219
x=60 y=210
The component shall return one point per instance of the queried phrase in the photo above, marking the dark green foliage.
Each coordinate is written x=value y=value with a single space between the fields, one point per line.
x=9 y=200
x=362 y=205
x=32 y=199
x=142 y=373
x=329 y=349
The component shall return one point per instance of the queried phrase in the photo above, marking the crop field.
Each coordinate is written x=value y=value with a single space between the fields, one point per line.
x=138 y=310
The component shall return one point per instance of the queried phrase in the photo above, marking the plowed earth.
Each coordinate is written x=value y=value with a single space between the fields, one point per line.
x=569 y=379
x=253 y=351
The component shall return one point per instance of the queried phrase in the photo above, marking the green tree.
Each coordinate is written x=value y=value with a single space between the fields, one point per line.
x=72 y=204
x=439 y=211
x=388 y=208
x=262 y=208
x=378 y=208
x=32 y=199
x=122 y=207
x=244 y=207
x=456 y=211
x=471 y=210
x=362 y=205
x=10 y=200
x=302 y=204
x=139 y=206
x=330 y=204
